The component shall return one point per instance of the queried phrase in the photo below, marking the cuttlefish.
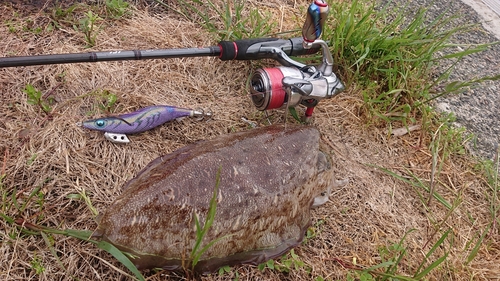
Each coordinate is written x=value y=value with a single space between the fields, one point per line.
x=269 y=179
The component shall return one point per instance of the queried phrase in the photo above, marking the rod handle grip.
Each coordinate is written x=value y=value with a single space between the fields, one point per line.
x=244 y=49
x=258 y=48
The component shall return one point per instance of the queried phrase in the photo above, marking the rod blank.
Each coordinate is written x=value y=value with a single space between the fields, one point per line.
x=109 y=56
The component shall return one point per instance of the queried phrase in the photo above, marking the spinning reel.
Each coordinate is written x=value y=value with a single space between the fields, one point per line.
x=295 y=83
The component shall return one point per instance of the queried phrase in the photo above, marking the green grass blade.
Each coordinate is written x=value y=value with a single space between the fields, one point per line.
x=391 y=269
x=391 y=277
x=198 y=228
x=470 y=51
x=7 y=218
x=479 y=242
x=431 y=267
x=380 y=265
x=416 y=183
x=115 y=252
x=161 y=3
x=432 y=250
x=210 y=244
x=394 y=266
x=436 y=195
x=196 y=253
x=53 y=252
x=35 y=191
x=294 y=114
x=84 y=235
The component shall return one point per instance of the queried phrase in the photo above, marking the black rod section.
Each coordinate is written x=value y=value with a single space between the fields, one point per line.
x=109 y=56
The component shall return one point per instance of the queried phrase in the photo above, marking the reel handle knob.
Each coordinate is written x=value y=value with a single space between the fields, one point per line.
x=315 y=20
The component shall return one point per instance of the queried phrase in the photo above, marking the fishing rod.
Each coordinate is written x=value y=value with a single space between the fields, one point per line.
x=288 y=85
x=245 y=49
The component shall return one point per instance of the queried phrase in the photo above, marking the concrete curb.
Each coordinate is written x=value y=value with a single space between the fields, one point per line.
x=487 y=10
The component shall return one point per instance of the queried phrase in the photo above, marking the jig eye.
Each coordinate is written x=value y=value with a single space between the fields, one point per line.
x=100 y=123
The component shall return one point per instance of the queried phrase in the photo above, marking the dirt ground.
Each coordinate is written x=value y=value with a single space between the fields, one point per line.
x=356 y=229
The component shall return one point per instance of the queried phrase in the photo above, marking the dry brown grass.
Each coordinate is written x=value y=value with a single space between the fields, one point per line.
x=373 y=211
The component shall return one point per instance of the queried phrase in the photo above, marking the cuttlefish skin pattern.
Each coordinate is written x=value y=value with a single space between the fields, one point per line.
x=269 y=177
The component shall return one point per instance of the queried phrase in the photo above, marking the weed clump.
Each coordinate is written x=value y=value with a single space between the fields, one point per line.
x=393 y=59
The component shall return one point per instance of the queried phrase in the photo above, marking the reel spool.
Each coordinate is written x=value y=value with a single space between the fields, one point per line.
x=282 y=86
x=267 y=89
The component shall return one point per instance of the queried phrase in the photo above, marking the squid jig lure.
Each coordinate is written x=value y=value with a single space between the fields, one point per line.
x=116 y=128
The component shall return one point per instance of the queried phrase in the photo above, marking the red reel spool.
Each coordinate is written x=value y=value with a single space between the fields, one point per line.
x=267 y=89
x=278 y=95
